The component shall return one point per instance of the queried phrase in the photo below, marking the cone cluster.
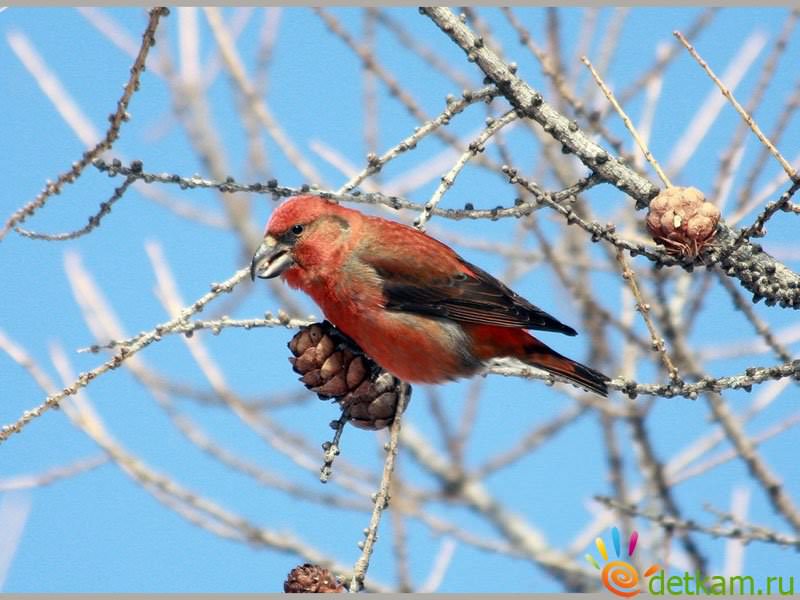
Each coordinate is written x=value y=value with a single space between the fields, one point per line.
x=311 y=579
x=682 y=220
x=331 y=364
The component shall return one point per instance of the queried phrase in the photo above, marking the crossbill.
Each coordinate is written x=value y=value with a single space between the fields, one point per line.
x=409 y=301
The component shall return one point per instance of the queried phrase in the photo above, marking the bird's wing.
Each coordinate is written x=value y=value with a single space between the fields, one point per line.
x=431 y=279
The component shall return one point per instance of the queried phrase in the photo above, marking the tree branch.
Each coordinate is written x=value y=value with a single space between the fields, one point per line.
x=758 y=271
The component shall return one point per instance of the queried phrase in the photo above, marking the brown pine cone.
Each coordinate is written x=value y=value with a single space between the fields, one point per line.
x=333 y=366
x=311 y=579
x=682 y=220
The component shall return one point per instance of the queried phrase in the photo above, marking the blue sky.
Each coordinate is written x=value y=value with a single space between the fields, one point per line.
x=100 y=531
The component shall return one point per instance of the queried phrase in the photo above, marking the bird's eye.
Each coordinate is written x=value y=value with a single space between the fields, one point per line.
x=297 y=229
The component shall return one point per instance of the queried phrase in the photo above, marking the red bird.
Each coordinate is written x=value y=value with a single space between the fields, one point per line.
x=410 y=302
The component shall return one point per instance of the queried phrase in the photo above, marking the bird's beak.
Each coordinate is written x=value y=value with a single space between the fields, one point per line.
x=271 y=259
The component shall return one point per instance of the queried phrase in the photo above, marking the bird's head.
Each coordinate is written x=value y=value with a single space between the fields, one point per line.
x=301 y=230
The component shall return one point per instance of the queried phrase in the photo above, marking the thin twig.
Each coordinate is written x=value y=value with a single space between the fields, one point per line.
x=94 y=220
x=381 y=498
x=628 y=123
x=745 y=380
x=784 y=203
x=789 y=169
x=735 y=151
x=475 y=147
x=644 y=309
x=781 y=126
x=709 y=111
x=375 y=163
x=188 y=327
x=119 y=116
x=745 y=532
x=331 y=449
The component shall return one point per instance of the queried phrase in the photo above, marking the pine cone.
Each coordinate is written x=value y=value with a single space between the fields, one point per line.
x=682 y=220
x=333 y=366
x=311 y=579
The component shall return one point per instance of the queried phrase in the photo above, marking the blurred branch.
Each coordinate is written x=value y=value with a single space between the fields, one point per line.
x=15 y=508
x=257 y=104
x=193 y=506
x=530 y=442
x=657 y=69
x=744 y=531
x=426 y=53
x=396 y=90
x=53 y=475
x=54 y=399
x=523 y=536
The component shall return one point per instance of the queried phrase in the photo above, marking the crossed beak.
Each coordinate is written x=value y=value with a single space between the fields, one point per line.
x=271 y=259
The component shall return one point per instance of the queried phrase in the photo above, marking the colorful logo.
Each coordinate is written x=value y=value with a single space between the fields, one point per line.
x=619 y=576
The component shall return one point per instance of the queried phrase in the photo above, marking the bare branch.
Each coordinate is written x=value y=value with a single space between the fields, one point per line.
x=789 y=169
x=381 y=497
x=744 y=532
x=116 y=119
x=532 y=105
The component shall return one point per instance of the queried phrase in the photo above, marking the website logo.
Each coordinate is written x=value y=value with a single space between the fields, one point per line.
x=619 y=576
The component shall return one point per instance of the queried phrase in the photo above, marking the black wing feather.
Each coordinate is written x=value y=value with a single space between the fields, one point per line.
x=480 y=299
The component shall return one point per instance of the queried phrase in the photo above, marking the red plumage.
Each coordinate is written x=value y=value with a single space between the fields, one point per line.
x=415 y=306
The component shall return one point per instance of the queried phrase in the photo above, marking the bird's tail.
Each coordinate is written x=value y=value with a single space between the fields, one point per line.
x=543 y=357
x=491 y=341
